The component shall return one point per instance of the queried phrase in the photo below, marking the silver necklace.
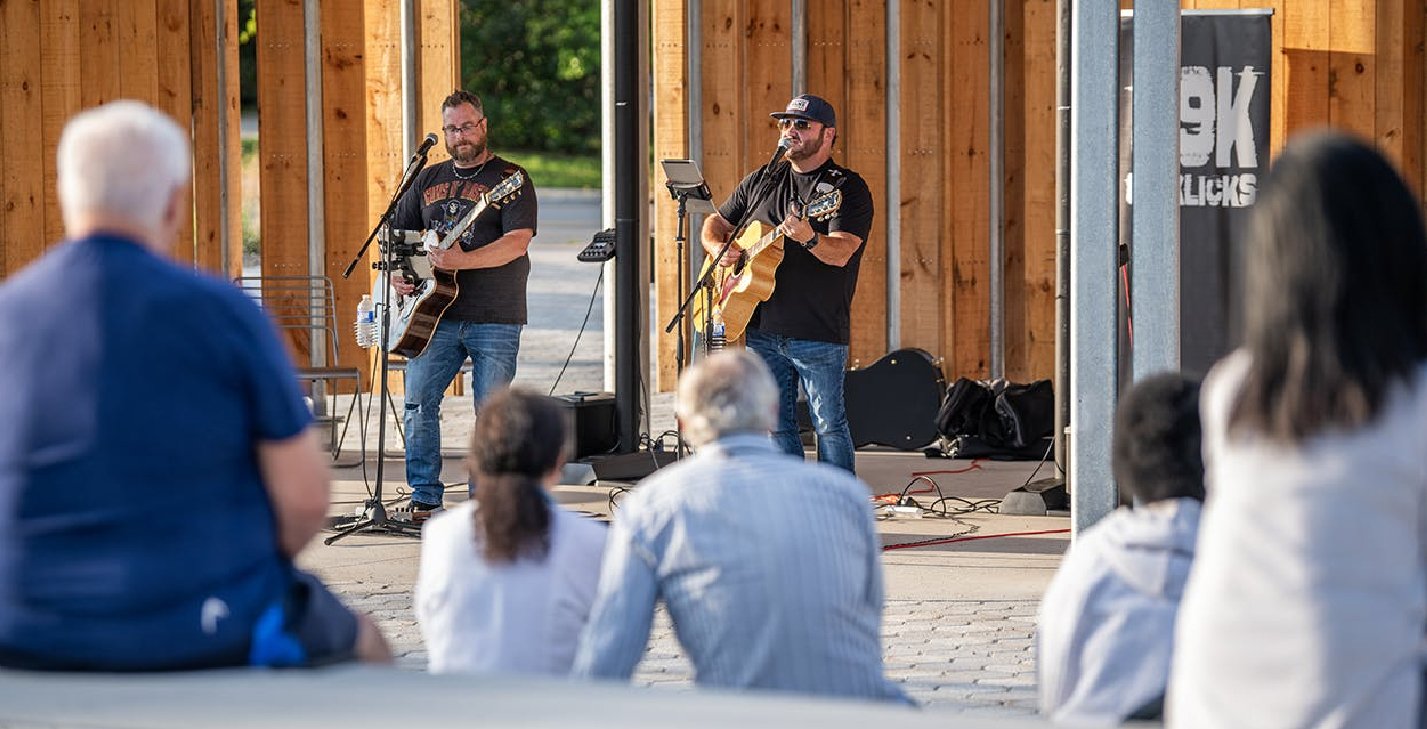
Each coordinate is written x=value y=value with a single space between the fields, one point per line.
x=457 y=170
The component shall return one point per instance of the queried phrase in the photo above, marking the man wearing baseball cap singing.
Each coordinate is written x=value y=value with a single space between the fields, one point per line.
x=823 y=212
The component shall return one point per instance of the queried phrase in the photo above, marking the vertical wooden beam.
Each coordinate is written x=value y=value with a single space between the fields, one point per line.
x=863 y=144
x=722 y=77
x=383 y=119
x=768 y=78
x=1397 y=132
x=99 y=53
x=965 y=263
x=1038 y=283
x=22 y=145
x=344 y=189
x=215 y=108
x=1305 y=46
x=137 y=37
x=1352 y=64
x=926 y=297
x=1015 y=139
x=173 y=85
x=59 y=94
x=1414 y=74
x=282 y=126
x=671 y=141
x=438 y=61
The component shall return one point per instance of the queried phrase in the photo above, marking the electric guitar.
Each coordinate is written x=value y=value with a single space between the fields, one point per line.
x=738 y=289
x=417 y=314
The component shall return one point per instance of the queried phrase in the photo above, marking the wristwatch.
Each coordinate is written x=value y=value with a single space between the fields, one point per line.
x=812 y=243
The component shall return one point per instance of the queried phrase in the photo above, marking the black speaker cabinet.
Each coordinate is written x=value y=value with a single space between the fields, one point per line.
x=593 y=419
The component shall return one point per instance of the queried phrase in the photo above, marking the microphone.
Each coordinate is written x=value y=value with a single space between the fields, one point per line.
x=427 y=143
x=783 y=143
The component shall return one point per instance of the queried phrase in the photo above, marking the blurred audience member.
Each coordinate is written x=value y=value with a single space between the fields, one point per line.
x=1307 y=603
x=507 y=578
x=768 y=564
x=1106 y=628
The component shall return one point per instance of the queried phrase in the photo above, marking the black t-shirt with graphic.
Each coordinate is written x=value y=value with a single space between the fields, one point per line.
x=439 y=199
x=811 y=299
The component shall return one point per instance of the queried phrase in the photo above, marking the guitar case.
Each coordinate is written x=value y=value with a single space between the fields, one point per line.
x=894 y=402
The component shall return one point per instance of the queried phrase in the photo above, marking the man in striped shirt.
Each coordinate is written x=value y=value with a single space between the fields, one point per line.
x=769 y=565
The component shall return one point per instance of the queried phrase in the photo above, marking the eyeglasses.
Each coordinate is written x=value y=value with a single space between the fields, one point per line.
x=463 y=130
x=801 y=125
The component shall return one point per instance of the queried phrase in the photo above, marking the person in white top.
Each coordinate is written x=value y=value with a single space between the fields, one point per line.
x=1106 y=627
x=507 y=579
x=1307 y=602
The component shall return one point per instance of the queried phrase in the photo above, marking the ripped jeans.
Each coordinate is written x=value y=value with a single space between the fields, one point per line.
x=492 y=349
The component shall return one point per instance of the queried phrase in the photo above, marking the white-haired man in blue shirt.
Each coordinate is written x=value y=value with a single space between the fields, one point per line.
x=769 y=565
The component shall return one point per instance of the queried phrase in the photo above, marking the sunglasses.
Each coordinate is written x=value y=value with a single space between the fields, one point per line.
x=801 y=125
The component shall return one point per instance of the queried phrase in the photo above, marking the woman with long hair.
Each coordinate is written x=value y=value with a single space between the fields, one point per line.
x=507 y=579
x=1307 y=603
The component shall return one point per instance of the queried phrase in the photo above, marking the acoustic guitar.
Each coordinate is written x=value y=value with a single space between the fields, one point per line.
x=417 y=314
x=738 y=289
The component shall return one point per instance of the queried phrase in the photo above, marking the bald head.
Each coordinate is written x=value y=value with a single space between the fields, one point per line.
x=124 y=168
x=729 y=392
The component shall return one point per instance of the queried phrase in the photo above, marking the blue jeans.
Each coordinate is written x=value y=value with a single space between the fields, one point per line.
x=493 y=349
x=820 y=366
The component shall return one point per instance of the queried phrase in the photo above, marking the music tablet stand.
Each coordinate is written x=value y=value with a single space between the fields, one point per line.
x=686 y=184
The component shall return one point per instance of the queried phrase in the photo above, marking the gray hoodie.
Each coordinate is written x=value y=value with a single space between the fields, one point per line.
x=1106 y=627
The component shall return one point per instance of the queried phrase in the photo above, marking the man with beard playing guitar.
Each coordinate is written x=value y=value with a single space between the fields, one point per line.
x=802 y=329
x=491 y=266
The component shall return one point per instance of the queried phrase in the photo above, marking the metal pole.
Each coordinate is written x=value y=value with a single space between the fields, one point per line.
x=996 y=188
x=1154 y=216
x=800 y=47
x=316 y=219
x=631 y=170
x=695 y=85
x=893 y=105
x=1062 y=238
x=607 y=177
x=1094 y=192
x=409 y=81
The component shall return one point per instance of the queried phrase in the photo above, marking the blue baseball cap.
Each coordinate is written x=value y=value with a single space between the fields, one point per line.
x=812 y=108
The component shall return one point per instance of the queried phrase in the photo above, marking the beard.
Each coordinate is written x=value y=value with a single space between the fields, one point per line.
x=466 y=153
x=803 y=150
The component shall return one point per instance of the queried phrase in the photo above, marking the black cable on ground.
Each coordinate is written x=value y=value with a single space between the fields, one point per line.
x=579 y=334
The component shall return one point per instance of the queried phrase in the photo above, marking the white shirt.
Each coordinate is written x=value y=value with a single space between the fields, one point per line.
x=1307 y=601
x=523 y=617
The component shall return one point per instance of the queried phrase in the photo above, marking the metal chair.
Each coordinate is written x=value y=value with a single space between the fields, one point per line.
x=306 y=307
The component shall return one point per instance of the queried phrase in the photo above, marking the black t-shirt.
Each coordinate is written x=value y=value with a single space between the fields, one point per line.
x=811 y=299
x=439 y=199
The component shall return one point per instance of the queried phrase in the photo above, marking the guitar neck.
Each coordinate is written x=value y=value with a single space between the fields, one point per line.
x=764 y=242
x=455 y=233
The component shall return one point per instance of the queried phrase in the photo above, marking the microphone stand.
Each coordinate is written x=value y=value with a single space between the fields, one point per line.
x=374 y=515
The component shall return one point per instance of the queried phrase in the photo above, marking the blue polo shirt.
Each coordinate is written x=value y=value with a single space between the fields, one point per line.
x=135 y=530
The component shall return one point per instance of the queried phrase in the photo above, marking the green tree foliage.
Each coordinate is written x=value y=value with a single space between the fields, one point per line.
x=535 y=65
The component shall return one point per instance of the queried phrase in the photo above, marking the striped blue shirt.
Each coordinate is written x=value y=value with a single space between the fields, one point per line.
x=769 y=566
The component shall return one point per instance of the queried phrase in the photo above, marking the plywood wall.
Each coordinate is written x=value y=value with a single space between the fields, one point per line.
x=60 y=56
x=1353 y=64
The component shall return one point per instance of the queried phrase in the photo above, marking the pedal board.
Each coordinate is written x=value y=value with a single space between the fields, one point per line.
x=600 y=249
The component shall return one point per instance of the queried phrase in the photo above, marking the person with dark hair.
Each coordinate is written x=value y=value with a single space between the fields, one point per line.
x=507 y=578
x=484 y=320
x=823 y=212
x=1307 y=603
x=143 y=386
x=1105 y=633
x=769 y=566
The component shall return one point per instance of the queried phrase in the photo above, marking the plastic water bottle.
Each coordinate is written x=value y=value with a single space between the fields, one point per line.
x=366 y=322
x=718 y=338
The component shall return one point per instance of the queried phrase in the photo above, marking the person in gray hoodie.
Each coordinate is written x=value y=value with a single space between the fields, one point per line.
x=1106 y=625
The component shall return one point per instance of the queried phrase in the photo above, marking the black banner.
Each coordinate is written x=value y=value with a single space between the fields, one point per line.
x=1224 y=89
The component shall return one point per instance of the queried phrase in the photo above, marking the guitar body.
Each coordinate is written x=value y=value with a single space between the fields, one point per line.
x=416 y=320
x=738 y=290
